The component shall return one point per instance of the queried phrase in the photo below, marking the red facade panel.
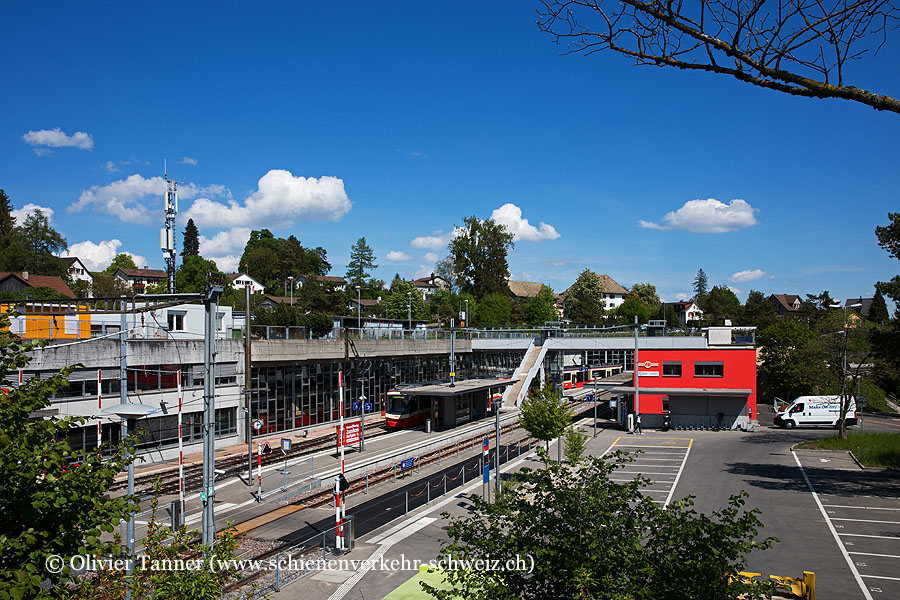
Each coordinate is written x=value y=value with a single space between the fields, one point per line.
x=738 y=373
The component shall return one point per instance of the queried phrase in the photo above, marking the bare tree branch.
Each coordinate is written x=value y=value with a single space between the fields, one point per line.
x=799 y=47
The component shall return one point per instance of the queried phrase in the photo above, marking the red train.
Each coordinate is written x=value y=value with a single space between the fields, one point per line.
x=576 y=377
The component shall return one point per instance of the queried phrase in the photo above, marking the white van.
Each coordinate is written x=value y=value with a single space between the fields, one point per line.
x=815 y=410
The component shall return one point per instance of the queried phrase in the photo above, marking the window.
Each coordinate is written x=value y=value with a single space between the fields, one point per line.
x=798 y=408
x=220 y=319
x=709 y=369
x=671 y=369
x=176 y=320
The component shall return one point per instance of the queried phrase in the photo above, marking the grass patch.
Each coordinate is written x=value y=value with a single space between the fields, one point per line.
x=870 y=448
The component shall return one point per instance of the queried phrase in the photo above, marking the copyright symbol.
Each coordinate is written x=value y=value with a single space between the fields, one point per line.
x=54 y=563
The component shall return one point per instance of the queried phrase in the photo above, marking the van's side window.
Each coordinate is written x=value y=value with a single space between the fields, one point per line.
x=797 y=408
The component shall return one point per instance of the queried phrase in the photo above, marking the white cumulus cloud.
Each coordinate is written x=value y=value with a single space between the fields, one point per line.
x=20 y=214
x=747 y=275
x=431 y=257
x=280 y=198
x=683 y=297
x=111 y=166
x=225 y=248
x=187 y=160
x=737 y=291
x=97 y=257
x=511 y=215
x=57 y=138
x=707 y=216
x=127 y=199
x=397 y=256
x=437 y=240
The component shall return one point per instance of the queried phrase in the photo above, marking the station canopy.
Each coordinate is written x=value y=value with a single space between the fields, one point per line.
x=464 y=386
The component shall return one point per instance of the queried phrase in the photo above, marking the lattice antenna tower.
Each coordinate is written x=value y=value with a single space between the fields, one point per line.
x=167 y=235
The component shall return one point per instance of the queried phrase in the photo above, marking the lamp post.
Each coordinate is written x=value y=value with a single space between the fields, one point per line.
x=409 y=308
x=291 y=280
x=843 y=414
x=467 y=316
x=359 y=310
x=129 y=413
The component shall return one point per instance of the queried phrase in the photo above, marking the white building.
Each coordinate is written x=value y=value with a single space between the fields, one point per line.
x=242 y=280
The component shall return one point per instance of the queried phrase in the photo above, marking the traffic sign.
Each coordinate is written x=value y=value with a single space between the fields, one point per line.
x=285 y=445
x=369 y=406
x=407 y=463
x=266 y=449
x=484 y=447
x=354 y=405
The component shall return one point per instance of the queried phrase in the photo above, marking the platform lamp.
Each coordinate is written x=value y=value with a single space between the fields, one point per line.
x=409 y=308
x=844 y=363
x=359 y=310
x=129 y=413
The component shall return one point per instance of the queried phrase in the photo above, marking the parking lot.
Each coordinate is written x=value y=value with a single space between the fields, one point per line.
x=660 y=459
x=862 y=511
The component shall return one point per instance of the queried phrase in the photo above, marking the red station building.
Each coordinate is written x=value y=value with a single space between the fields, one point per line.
x=698 y=387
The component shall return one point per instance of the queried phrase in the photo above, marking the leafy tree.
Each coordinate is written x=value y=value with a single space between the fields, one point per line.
x=647 y=293
x=544 y=414
x=191 y=244
x=878 y=312
x=541 y=308
x=317 y=323
x=758 y=311
x=493 y=310
x=886 y=339
x=34 y=247
x=631 y=308
x=444 y=269
x=120 y=261
x=31 y=293
x=721 y=304
x=107 y=285
x=54 y=500
x=190 y=277
x=7 y=220
x=317 y=259
x=397 y=303
x=848 y=348
x=479 y=256
x=799 y=48
x=793 y=360
x=81 y=288
x=583 y=536
x=671 y=316
x=584 y=300
x=576 y=443
x=362 y=262
x=700 y=286
x=315 y=295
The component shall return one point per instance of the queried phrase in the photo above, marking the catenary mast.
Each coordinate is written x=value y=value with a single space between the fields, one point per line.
x=167 y=235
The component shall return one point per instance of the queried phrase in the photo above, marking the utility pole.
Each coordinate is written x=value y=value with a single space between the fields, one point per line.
x=637 y=393
x=248 y=415
x=497 y=406
x=167 y=235
x=215 y=285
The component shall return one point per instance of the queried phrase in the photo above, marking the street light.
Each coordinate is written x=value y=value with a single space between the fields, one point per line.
x=129 y=413
x=843 y=414
x=409 y=308
x=291 y=279
x=359 y=310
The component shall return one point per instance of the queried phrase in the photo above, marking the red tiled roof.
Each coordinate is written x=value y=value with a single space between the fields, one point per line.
x=49 y=281
x=144 y=273
x=787 y=301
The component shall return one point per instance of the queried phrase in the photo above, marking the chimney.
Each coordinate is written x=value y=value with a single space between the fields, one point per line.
x=25 y=275
x=146 y=267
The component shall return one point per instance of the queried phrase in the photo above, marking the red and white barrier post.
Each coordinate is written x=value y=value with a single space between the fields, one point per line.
x=258 y=472
x=99 y=410
x=180 y=446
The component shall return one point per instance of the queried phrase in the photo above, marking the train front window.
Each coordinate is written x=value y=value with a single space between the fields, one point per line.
x=398 y=404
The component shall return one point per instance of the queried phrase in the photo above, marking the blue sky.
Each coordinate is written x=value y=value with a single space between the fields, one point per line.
x=332 y=121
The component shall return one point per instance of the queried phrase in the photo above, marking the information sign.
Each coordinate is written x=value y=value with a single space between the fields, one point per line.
x=351 y=433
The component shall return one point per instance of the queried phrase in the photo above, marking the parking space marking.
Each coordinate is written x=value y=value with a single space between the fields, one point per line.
x=866 y=521
x=863 y=507
x=880 y=537
x=647 y=450
x=873 y=554
x=834 y=533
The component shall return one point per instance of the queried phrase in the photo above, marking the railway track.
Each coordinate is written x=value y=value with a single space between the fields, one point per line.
x=231 y=465
x=324 y=497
